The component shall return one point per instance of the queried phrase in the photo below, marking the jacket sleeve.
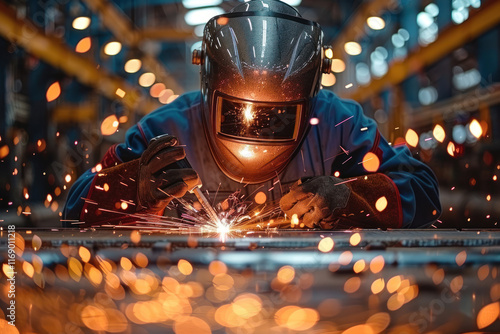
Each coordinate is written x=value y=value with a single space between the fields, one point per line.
x=374 y=169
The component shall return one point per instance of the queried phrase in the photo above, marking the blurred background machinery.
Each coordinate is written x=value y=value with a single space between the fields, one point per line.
x=75 y=74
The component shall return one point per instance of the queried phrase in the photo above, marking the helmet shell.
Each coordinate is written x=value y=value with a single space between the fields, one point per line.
x=262 y=51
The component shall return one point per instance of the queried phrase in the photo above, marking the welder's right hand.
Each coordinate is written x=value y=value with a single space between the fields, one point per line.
x=162 y=175
x=143 y=185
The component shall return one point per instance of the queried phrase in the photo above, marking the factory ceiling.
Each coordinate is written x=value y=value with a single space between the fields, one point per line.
x=155 y=31
x=163 y=33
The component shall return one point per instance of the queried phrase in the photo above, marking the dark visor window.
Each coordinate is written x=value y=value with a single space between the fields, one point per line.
x=258 y=120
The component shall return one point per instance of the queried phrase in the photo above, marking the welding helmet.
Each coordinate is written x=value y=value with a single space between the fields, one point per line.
x=261 y=65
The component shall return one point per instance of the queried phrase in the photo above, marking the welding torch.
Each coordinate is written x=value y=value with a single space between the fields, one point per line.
x=184 y=163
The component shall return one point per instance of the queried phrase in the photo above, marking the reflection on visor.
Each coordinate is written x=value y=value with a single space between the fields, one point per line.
x=267 y=121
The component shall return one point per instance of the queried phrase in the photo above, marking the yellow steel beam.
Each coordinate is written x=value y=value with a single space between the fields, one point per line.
x=166 y=34
x=125 y=32
x=469 y=102
x=115 y=20
x=455 y=36
x=26 y=34
x=69 y=112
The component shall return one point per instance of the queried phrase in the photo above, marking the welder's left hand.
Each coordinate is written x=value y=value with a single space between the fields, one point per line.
x=314 y=200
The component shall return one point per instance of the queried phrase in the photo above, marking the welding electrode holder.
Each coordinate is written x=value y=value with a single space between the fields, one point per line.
x=162 y=141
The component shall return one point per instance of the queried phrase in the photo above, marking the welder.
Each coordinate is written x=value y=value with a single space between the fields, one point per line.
x=249 y=127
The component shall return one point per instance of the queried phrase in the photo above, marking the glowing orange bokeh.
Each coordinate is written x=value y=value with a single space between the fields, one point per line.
x=94 y=318
x=371 y=162
x=379 y=321
x=83 y=45
x=326 y=245
x=217 y=267
x=355 y=239
x=84 y=254
x=377 y=264
x=191 y=325
x=381 y=204
x=377 y=286
x=460 y=258
x=260 y=198
x=359 y=266
x=109 y=125
x=4 y=151
x=286 y=274
x=411 y=138
x=53 y=92
x=487 y=315
x=352 y=284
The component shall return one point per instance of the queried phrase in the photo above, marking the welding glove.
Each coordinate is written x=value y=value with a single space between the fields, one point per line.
x=328 y=202
x=145 y=185
x=163 y=174
x=315 y=199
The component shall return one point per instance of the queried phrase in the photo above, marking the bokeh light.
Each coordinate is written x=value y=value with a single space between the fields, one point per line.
x=133 y=65
x=371 y=162
x=338 y=65
x=375 y=22
x=53 y=91
x=147 y=79
x=328 y=79
x=326 y=245
x=411 y=138
x=81 y=23
x=353 y=48
x=112 y=48
x=109 y=125
x=83 y=45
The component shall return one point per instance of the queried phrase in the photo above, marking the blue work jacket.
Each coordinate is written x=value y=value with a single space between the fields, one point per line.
x=338 y=143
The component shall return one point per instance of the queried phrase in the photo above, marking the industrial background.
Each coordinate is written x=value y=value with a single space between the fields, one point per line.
x=75 y=74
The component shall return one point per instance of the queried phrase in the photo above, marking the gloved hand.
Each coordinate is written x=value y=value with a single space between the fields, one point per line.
x=146 y=185
x=314 y=200
x=163 y=174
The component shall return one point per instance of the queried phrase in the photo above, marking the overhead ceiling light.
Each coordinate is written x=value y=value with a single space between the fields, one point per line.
x=338 y=65
x=328 y=80
x=133 y=65
x=424 y=20
x=329 y=53
x=200 y=3
x=147 y=79
x=201 y=16
x=196 y=46
x=292 y=2
x=157 y=89
x=352 y=48
x=375 y=22
x=112 y=48
x=81 y=23
x=199 y=29
x=120 y=92
x=475 y=128
x=165 y=95
x=432 y=9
